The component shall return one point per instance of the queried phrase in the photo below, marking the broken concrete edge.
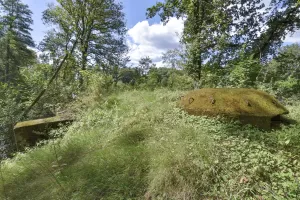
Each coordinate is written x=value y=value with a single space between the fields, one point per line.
x=49 y=120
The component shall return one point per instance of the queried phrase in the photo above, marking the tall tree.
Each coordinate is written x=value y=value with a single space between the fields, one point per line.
x=283 y=72
x=174 y=58
x=87 y=33
x=145 y=64
x=214 y=31
x=15 y=38
x=283 y=18
x=98 y=25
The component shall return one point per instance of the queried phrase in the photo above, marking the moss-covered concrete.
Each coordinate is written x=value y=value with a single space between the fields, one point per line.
x=28 y=133
x=248 y=105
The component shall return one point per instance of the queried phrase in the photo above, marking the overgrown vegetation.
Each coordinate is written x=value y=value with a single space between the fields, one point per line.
x=137 y=145
x=130 y=141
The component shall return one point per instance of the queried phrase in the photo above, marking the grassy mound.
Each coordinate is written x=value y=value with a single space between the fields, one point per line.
x=138 y=145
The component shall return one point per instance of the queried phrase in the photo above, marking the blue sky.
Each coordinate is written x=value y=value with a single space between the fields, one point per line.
x=37 y=7
x=135 y=11
x=145 y=37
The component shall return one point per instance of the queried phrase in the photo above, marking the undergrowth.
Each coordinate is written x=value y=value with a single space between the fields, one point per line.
x=138 y=145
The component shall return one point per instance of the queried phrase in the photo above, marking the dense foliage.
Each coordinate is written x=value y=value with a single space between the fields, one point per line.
x=129 y=140
x=15 y=39
x=217 y=33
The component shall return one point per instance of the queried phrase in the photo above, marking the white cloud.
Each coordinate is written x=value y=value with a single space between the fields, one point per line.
x=266 y=2
x=153 y=40
x=293 y=38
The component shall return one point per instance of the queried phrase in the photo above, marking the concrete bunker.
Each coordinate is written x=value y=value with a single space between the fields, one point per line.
x=28 y=133
x=249 y=106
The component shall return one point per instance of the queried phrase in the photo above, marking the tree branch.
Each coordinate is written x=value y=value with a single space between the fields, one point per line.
x=51 y=80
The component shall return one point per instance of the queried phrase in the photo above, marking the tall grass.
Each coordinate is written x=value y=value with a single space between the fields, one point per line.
x=138 y=145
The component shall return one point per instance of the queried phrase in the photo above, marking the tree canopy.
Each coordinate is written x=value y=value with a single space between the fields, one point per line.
x=97 y=25
x=15 y=39
x=219 y=32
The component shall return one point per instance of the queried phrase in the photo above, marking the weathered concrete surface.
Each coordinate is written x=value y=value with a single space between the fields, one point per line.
x=246 y=105
x=28 y=133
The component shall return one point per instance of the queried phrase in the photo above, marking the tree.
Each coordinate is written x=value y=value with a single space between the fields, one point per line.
x=244 y=72
x=98 y=25
x=145 y=64
x=53 y=46
x=174 y=58
x=15 y=38
x=283 y=18
x=130 y=75
x=283 y=72
x=214 y=31
x=289 y=62
x=89 y=32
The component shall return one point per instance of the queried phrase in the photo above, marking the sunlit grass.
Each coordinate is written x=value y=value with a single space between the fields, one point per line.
x=138 y=145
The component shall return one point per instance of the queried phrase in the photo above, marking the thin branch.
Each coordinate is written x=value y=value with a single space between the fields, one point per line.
x=51 y=80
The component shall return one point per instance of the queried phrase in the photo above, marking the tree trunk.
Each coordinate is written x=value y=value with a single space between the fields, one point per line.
x=7 y=67
x=199 y=68
x=84 y=57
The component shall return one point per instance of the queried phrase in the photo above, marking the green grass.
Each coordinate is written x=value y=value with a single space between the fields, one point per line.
x=138 y=145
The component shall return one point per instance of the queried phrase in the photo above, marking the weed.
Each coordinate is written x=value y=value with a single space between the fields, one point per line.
x=139 y=145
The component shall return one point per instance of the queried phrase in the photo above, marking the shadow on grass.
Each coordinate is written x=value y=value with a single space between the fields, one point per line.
x=117 y=171
x=284 y=136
